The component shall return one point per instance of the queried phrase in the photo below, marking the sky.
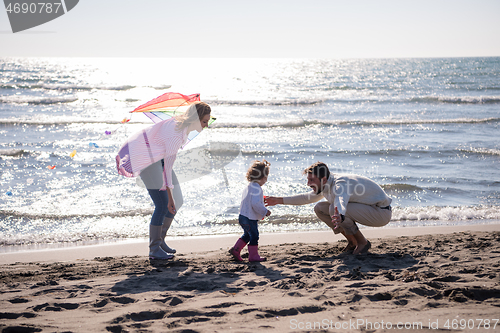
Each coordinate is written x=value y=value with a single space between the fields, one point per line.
x=263 y=29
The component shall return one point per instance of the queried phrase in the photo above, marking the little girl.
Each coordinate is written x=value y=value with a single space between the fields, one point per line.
x=252 y=209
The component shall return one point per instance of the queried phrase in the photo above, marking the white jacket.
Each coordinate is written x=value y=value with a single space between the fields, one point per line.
x=341 y=189
x=252 y=203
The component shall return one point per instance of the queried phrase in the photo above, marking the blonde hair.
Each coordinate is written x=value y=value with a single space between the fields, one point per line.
x=258 y=170
x=196 y=111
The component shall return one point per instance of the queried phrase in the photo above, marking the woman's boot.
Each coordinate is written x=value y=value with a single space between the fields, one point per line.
x=155 y=251
x=167 y=222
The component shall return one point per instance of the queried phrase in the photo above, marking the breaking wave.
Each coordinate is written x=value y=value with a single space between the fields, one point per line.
x=381 y=99
x=401 y=188
x=49 y=122
x=303 y=123
x=481 y=151
x=37 y=100
x=447 y=213
x=134 y=212
x=268 y=102
x=458 y=99
x=13 y=152
x=290 y=123
x=64 y=86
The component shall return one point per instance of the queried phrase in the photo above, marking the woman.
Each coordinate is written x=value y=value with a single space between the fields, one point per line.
x=151 y=153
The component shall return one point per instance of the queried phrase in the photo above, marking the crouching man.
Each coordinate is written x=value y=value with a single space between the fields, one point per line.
x=350 y=199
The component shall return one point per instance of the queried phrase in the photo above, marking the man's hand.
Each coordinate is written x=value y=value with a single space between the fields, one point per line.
x=336 y=218
x=273 y=201
x=268 y=212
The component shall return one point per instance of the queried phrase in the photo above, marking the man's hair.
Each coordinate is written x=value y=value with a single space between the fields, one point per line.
x=318 y=169
x=258 y=170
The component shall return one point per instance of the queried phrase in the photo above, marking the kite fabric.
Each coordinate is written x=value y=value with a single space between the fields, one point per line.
x=167 y=105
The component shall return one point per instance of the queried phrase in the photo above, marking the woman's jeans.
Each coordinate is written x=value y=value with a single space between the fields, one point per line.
x=160 y=199
x=251 y=231
x=152 y=177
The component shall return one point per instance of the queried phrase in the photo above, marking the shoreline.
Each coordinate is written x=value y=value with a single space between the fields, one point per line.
x=195 y=244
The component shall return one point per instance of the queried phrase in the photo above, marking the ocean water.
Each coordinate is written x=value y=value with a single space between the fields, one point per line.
x=427 y=130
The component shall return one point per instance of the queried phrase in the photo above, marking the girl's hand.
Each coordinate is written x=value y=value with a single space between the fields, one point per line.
x=268 y=212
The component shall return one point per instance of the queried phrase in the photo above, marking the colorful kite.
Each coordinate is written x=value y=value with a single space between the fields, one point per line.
x=168 y=105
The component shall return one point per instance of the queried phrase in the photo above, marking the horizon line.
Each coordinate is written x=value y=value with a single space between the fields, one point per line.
x=257 y=57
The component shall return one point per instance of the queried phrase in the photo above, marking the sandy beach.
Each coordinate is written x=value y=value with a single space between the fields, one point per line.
x=413 y=279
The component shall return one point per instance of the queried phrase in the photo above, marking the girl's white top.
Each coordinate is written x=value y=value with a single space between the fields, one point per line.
x=252 y=203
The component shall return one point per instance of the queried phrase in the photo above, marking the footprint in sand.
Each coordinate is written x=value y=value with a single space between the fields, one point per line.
x=223 y=305
x=18 y=300
x=195 y=313
x=171 y=300
x=295 y=294
x=139 y=317
x=24 y=329
x=305 y=270
x=270 y=313
x=56 y=307
x=120 y=300
x=12 y=315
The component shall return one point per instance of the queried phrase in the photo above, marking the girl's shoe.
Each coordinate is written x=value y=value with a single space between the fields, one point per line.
x=236 y=249
x=253 y=253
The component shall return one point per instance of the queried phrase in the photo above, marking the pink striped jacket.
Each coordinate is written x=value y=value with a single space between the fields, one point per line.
x=159 y=141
